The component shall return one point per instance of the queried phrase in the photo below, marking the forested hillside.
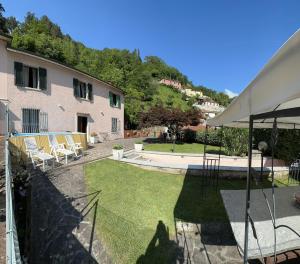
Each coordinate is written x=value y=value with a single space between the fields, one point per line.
x=137 y=77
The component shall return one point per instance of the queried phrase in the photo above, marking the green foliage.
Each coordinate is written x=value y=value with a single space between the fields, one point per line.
x=11 y=23
x=122 y=68
x=213 y=137
x=235 y=141
x=3 y=27
x=221 y=98
x=287 y=148
x=118 y=147
x=189 y=136
x=169 y=97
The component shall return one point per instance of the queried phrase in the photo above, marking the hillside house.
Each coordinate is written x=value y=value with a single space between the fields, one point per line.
x=47 y=96
x=172 y=83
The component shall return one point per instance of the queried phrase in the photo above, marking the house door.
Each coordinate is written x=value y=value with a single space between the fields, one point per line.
x=82 y=122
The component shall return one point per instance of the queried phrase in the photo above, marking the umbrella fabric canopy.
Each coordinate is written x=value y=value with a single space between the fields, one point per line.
x=276 y=87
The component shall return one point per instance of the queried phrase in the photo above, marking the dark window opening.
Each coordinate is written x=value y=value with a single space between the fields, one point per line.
x=30 y=120
x=30 y=77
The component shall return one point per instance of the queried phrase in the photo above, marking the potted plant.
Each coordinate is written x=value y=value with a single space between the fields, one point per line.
x=94 y=138
x=138 y=145
x=118 y=151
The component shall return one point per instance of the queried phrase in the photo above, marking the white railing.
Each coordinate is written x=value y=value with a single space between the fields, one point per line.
x=12 y=244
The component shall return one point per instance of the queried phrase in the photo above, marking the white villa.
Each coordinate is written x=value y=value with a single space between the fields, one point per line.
x=209 y=107
x=47 y=96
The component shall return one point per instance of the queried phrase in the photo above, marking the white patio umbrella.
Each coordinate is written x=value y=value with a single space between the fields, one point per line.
x=276 y=87
x=273 y=94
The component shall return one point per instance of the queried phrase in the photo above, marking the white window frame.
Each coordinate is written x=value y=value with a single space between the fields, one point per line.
x=37 y=75
x=115 y=128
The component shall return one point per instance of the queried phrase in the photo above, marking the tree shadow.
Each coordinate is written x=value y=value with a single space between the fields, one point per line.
x=161 y=249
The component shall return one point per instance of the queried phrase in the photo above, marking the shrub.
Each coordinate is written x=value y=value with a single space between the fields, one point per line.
x=189 y=136
x=235 y=141
x=118 y=147
x=138 y=142
x=287 y=147
x=213 y=137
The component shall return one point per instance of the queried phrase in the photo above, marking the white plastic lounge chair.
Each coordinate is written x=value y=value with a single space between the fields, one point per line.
x=59 y=149
x=34 y=153
x=75 y=147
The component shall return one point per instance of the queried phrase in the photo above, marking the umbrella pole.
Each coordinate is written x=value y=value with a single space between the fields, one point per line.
x=247 y=211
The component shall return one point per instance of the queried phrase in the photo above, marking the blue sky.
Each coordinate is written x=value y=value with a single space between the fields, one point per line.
x=219 y=44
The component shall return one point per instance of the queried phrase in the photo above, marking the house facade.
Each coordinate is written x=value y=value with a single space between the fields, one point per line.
x=47 y=96
x=209 y=107
x=191 y=93
x=172 y=83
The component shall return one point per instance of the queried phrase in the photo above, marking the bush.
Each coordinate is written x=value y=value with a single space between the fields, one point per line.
x=213 y=137
x=118 y=147
x=189 y=136
x=235 y=141
x=287 y=147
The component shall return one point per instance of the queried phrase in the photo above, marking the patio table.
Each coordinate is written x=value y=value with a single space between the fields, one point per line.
x=287 y=213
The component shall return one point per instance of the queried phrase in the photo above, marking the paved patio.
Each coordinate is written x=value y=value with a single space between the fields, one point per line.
x=63 y=220
x=63 y=215
x=102 y=150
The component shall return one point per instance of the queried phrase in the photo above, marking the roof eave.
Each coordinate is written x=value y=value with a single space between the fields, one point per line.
x=31 y=54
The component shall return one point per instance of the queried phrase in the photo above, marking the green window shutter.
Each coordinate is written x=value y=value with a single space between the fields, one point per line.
x=111 y=99
x=83 y=91
x=90 y=91
x=119 y=101
x=75 y=87
x=43 y=78
x=19 y=81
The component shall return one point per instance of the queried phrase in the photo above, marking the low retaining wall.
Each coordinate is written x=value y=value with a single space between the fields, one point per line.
x=195 y=167
x=17 y=144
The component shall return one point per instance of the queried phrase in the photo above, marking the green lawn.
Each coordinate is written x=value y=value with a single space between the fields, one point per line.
x=181 y=148
x=137 y=207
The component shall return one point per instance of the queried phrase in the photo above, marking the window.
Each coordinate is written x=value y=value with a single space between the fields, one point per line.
x=30 y=120
x=34 y=121
x=83 y=90
x=114 y=100
x=31 y=77
x=43 y=124
x=115 y=125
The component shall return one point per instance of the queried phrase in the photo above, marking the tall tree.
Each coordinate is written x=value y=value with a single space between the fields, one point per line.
x=3 y=28
x=11 y=24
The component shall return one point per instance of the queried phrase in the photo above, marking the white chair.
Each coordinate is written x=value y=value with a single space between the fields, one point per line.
x=73 y=146
x=57 y=149
x=34 y=153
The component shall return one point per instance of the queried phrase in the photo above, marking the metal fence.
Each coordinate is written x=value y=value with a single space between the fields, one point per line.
x=12 y=244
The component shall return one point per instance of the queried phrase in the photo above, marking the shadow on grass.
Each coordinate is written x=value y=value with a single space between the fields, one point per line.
x=161 y=249
x=201 y=205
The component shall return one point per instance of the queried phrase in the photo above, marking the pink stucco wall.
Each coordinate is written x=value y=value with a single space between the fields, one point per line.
x=58 y=100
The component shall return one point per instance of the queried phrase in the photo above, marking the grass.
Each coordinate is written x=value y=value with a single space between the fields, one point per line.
x=136 y=206
x=181 y=148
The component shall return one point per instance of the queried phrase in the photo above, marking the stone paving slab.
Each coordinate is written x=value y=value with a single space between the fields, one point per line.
x=207 y=243
x=62 y=218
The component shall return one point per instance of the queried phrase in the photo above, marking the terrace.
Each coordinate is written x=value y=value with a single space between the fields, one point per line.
x=95 y=209
x=116 y=212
